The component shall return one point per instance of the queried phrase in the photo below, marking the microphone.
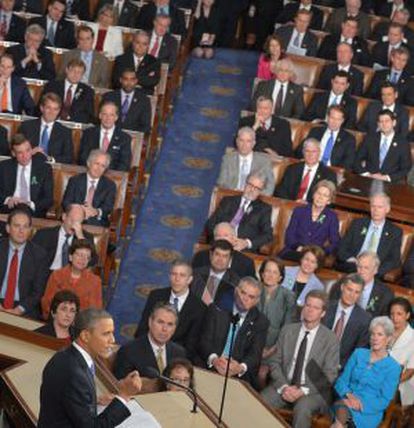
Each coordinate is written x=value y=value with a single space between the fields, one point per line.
x=151 y=371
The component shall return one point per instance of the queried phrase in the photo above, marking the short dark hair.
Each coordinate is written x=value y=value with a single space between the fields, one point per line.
x=386 y=112
x=279 y=265
x=62 y=2
x=20 y=209
x=338 y=108
x=51 y=96
x=64 y=296
x=128 y=70
x=9 y=56
x=84 y=29
x=318 y=294
x=341 y=73
x=87 y=318
x=180 y=362
x=166 y=307
x=76 y=62
x=18 y=140
x=355 y=278
x=222 y=244
x=352 y=19
x=404 y=303
x=81 y=244
x=388 y=84
x=317 y=251
x=108 y=103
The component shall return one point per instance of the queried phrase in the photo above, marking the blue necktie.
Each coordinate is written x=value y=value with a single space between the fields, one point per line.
x=394 y=77
x=383 y=151
x=328 y=149
x=334 y=101
x=226 y=350
x=92 y=369
x=124 y=108
x=44 y=140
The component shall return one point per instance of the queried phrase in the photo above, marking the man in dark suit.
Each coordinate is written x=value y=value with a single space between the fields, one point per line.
x=287 y=96
x=15 y=96
x=250 y=330
x=107 y=137
x=78 y=98
x=189 y=307
x=154 y=350
x=347 y=319
x=390 y=7
x=337 y=96
x=93 y=190
x=48 y=137
x=384 y=155
x=300 y=178
x=375 y=234
x=23 y=269
x=248 y=214
x=290 y=10
x=125 y=12
x=133 y=104
x=12 y=26
x=31 y=6
x=337 y=145
x=33 y=60
x=163 y=45
x=78 y=9
x=401 y=17
x=147 y=68
x=344 y=55
x=68 y=392
x=25 y=179
x=60 y=33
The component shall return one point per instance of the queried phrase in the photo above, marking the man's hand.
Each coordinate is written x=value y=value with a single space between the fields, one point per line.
x=353 y=402
x=220 y=364
x=235 y=368
x=130 y=385
x=77 y=229
x=240 y=244
x=90 y=211
x=13 y=201
x=292 y=393
x=267 y=352
x=105 y=399
x=15 y=311
x=38 y=150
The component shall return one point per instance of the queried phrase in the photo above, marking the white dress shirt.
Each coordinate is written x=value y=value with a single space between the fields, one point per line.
x=295 y=33
x=17 y=190
x=276 y=90
x=365 y=295
x=57 y=261
x=154 y=36
x=181 y=299
x=74 y=87
x=110 y=133
x=155 y=349
x=348 y=312
x=137 y=60
x=333 y=96
x=249 y=160
x=312 y=176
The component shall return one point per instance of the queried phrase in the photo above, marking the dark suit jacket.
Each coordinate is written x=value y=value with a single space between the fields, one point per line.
x=32 y=275
x=68 y=395
x=104 y=198
x=289 y=12
x=355 y=334
x=309 y=41
x=83 y=102
x=333 y=25
x=397 y=162
x=289 y=186
x=408 y=269
x=388 y=248
x=255 y=224
x=343 y=152
x=248 y=344
x=190 y=318
x=138 y=117
x=32 y=6
x=64 y=34
x=278 y=137
x=385 y=8
x=148 y=72
x=81 y=9
x=119 y=147
x=128 y=15
x=381 y=30
x=4 y=143
x=22 y=101
x=147 y=13
x=47 y=70
x=356 y=79
x=319 y=105
x=138 y=355
x=16 y=29
x=41 y=183
x=380 y=53
x=168 y=50
x=60 y=141
x=293 y=105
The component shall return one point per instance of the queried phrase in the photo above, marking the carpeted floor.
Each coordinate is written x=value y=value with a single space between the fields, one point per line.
x=176 y=204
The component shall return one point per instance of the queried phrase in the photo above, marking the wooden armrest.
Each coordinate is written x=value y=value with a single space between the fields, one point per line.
x=393 y=275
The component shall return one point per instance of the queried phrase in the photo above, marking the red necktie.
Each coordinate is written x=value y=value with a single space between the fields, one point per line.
x=8 y=302
x=304 y=184
x=154 y=49
x=67 y=103
x=105 y=141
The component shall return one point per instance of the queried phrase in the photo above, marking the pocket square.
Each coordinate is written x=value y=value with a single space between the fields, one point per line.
x=116 y=147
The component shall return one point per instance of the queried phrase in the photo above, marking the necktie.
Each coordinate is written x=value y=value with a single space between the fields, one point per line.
x=44 y=141
x=339 y=326
x=5 y=98
x=210 y=290
x=160 y=360
x=236 y=220
x=139 y=60
x=304 y=184
x=65 y=250
x=105 y=141
x=67 y=103
x=227 y=347
x=3 y=26
x=328 y=149
x=91 y=193
x=383 y=151
x=300 y=360
x=175 y=303
x=244 y=172
x=263 y=126
x=92 y=369
x=394 y=77
x=24 y=188
x=8 y=302
x=154 y=50
x=334 y=101
x=124 y=108
x=373 y=240
x=51 y=33
x=279 y=100
x=296 y=41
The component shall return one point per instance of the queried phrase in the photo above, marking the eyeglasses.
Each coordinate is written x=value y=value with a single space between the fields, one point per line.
x=258 y=189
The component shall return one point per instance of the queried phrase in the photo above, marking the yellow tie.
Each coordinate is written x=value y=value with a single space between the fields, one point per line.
x=160 y=361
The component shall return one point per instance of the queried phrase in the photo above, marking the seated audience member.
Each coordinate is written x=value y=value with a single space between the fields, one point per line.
x=77 y=277
x=338 y=146
x=300 y=178
x=247 y=214
x=238 y=164
x=347 y=34
x=384 y=155
x=133 y=104
x=369 y=381
x=32 y=59
x=57 y=240
x=78 y=98
x=240 y=264
x=302 y=279
x=97 y=71
x=273 y=134
x=401 y=17
x=107 y=137
x=408 y=269
x=46 y=135
x=290 y=10
x=125 y=12
x=375 y=233
x=163 y=45
x=273 y=51
x=402 y=346
x=25 y=179
x=297 y=38
x=250 y=334
x=389 y=101
x=180 y=370
x=15 y=96
x=205 y=28
x=108 y=40
x=63 y=309
x=215 y=283
x=12 y=28
x=287 y=96
x=23 y=269
x=60 y=33
x=189 y=307
x=93 y=190
x=389 y=8
x=313 y=224
x=147 y=68
x=154 y=350
x=347 y=319
x=344 y=56
x=337 y=96
x=301 y=378
x=78 y=9
x=278 y=305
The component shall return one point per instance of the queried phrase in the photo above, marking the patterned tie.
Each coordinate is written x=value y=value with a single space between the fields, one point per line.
x=24 y=188
x=228 y=346
x=91 y=193
x=67 y=104
x=105 y=141
x=51 y=33
x=238 y=217
x=339 y=326
x=65 y=250
x=328 y=149
x=383 y=151
x=160 y=360
x=3 y=26
x=209 y=290
x=5 y=98
x=279 y=100
x=244 y=172
x=44 y=141
x=300 y=361
x=154 y=50
x=304 y=184
x=125 y=108
x=8 y=302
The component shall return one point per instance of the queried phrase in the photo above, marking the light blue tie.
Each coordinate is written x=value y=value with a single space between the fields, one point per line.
x=334 y=101
x=328 y=149
x=44 y=140
x=51 y=33
x=383 y=151
x=394 y=77
x=296 y=41
x=227 y=347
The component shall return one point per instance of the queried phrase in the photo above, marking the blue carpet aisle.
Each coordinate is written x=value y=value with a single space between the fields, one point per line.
x=176 y=205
